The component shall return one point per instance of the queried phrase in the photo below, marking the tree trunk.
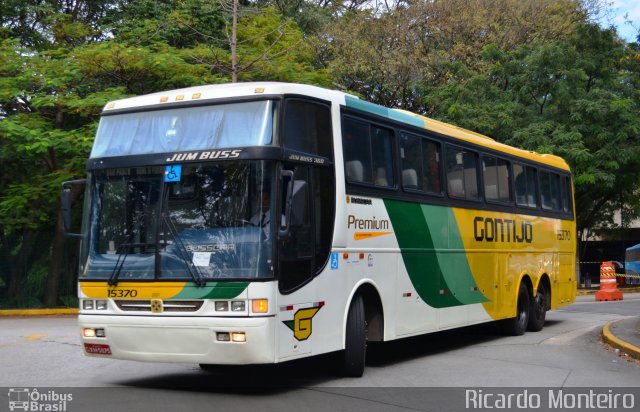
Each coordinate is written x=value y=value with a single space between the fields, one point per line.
x=18 y=270
x=55 y=263
x=234 y=42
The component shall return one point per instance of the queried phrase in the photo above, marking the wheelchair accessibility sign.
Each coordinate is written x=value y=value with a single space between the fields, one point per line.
x=172 y=173
x=334 y=261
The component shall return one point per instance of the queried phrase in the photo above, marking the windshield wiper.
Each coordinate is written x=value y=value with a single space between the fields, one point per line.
x=113 y=278
x=115 y=273
x=195 y=275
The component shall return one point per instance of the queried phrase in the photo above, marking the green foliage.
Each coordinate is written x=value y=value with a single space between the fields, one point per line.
x=571 y=98
x=532 y=73
x=31 y=289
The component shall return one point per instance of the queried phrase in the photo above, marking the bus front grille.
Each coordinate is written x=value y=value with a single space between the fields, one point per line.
x=167 y=305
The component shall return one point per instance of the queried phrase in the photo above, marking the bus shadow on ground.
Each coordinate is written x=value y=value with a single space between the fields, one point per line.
x=272 y=379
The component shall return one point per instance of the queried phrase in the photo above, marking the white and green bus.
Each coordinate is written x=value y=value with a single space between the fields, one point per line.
x=258 y=223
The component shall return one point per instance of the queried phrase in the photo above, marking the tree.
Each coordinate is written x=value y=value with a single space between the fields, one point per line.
x=56 y=78
x=574 y=98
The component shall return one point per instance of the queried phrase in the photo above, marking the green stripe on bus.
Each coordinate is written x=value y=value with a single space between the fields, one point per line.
x=215 y=290
x=365 y=106
x=428 y=237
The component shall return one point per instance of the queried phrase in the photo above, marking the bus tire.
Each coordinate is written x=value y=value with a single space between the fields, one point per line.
x=538 y=310
x=517 y=326
x=208 y=367
x=355 y=340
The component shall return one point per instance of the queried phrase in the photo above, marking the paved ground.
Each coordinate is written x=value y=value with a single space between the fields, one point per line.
x=46 y=351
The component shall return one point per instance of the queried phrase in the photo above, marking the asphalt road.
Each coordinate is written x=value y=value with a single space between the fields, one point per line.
x=45 y=352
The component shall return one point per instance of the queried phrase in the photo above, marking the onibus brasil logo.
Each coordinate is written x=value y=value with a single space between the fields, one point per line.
x=26 y=399
x=301 y=323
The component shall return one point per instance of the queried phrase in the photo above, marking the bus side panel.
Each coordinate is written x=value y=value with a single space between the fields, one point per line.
x=522 y=245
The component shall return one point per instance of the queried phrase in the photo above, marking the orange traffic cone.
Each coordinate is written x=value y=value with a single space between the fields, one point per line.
x=608 y=288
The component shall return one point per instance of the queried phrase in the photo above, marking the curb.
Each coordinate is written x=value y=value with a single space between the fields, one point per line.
x=38 y=312
x=616 y=342
x=587 y=292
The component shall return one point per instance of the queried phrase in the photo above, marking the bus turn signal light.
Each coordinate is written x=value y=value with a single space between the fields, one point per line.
x=260 y=305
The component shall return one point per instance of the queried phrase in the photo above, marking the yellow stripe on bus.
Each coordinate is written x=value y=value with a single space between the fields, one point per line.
x=132 y=290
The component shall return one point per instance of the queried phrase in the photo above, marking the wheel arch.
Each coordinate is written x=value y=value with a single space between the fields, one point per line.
x=373 y=310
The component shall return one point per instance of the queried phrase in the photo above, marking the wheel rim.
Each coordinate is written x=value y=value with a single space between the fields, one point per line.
x=523 y=311
x=540 y=304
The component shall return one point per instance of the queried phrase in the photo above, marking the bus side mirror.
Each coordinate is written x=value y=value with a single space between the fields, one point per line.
x=65 y=204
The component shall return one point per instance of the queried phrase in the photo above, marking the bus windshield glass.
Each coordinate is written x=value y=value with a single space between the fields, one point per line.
x=193 y=128
x=211 y=221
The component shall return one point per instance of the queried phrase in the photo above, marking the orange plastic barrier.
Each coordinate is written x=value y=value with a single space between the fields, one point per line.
x=608 y=286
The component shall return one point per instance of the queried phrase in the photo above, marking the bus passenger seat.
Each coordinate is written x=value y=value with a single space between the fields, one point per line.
x=410 y=179
x=381 y=179
x=355 y=171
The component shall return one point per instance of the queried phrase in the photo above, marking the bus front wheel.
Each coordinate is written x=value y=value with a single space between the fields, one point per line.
x=518 y=325
x=355 y=340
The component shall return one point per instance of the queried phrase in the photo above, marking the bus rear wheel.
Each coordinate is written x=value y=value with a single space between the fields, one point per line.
x=518 y=325
x=538 y=312
x=355 y=340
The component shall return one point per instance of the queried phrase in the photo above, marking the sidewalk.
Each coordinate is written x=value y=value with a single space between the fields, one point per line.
x=625 y=335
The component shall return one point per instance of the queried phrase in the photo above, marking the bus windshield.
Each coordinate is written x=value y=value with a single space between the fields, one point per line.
x=192 y=128
x=209 y=221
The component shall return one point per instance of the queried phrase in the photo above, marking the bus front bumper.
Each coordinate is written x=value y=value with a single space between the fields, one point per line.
x=180 y=339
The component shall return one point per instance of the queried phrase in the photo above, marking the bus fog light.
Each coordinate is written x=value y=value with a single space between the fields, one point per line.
x=100 y=333
x=87 y=305
x=222 y=336
x=101 y=304
x=89 y=333
x=222 y=306
x=260 y=305
x=237 y=306
x=238 y=337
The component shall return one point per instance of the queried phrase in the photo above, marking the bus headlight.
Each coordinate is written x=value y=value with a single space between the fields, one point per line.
x=87 y=305
x=222 y=306
x=101 y=304
x=237 y=306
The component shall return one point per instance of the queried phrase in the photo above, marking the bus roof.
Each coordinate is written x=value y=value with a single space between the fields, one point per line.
x=230 y=90
x=222 y=91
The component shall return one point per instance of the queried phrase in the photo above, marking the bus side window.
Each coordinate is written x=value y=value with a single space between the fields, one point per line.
x=525 y=184
x=368 y=153
x=566 y=194
x=431 y=169
x=462 y=176
x=410 y=154
x=382 y=156
x=420 y=163
x=550 y=190
x=496 y=179
x=357 y=151
x=307 y=128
